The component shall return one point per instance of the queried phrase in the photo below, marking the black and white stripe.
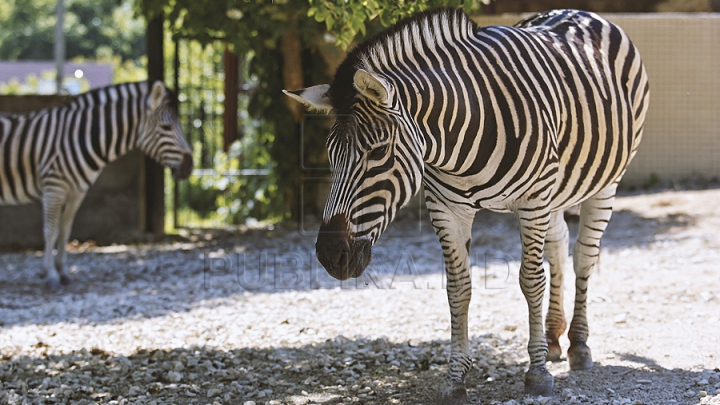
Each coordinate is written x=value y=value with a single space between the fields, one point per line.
x=56 y=154
x=530 y=119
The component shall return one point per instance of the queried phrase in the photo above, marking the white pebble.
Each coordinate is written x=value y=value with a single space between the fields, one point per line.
x=174 y=376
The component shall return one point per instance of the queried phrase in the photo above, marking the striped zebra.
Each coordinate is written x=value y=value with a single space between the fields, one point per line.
x=529 y=119
x=54 y=155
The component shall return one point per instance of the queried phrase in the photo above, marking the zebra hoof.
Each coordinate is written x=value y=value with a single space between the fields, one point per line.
x=579 y=356
x=456 y=395
x=554 y=352
x=52 y=284
x=538 y=382
x=65 y=279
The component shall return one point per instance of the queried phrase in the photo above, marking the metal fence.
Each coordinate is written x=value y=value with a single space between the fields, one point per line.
x=199 y=78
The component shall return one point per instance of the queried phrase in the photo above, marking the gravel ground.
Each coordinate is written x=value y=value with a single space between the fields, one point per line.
x=251 y=318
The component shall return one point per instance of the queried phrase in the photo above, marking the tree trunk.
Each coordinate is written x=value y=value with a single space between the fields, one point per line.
x=292 y=71
x=154 y=173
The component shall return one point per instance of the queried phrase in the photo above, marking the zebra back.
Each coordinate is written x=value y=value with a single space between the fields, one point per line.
x=69 y=145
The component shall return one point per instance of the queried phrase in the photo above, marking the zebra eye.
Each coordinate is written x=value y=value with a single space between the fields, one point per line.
x=379 y=152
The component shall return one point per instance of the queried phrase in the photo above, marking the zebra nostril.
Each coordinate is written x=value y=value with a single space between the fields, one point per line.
x=342 y=257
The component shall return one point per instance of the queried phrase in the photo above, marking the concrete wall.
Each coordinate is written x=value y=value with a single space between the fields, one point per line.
x=682 y=57
x=111 y=212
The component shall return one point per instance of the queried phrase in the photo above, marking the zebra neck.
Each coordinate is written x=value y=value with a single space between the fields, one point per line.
x=105 y=128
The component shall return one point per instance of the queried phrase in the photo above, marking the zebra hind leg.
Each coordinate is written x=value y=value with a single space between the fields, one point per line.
x=556 y=252
x=595 y=214
x=66 y=221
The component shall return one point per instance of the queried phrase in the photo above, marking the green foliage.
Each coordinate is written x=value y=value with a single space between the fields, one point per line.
x=94 y=29
x=230 y=194
x=345 y=19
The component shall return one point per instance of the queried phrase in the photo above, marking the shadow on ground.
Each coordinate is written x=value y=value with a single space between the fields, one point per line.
x=339 y=371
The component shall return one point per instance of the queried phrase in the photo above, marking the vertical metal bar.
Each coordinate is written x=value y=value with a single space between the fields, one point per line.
x=176 y=86
x=230 y=127
x=201 y=112
x=59 y=45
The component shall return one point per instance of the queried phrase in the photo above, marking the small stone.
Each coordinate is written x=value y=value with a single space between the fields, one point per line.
x=622 y=318
x=213 y=392
x=174 y=376
x=703 y=382
x=249 y=403
x=644 y=382
x=702 y=394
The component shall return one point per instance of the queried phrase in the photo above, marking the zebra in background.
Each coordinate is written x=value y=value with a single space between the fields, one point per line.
x=54 y=155
x=529 y=119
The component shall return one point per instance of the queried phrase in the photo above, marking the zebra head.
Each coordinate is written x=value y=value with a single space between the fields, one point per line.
x=161 y=137
x=375 y=153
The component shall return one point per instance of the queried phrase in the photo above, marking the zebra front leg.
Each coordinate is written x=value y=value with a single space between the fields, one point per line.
x=53 y=200
x=72 y=203
x=534 y=223
x=453 y=228
x=556 y=252
x=595 y=214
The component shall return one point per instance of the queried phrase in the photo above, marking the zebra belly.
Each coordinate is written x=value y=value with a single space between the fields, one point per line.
x=16 y=189
x=16 y=195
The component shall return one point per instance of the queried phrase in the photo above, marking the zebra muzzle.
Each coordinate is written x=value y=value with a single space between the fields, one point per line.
x=184 y=170
x=339 y=254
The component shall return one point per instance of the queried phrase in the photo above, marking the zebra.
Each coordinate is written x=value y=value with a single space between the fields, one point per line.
x=54 y=155
x=529 y=119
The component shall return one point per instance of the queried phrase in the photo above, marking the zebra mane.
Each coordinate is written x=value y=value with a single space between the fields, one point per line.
x=92 y=97
x=141 y=89
x=417 y=35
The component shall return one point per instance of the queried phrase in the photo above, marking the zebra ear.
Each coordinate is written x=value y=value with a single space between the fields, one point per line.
x=372 y=86
x=315 y=97
x=157 y=94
